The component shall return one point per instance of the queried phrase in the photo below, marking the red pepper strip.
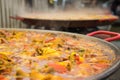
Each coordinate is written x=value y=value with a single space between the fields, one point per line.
x=100 y=66
x=2 y=77
x=49 y=40
x=58 y=68
x=77 y=59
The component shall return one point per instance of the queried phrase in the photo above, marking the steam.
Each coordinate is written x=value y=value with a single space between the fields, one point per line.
x=71 y=7
x=42 y=5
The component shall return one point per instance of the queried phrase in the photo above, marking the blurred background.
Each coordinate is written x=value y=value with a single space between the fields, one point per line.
x=81 y=16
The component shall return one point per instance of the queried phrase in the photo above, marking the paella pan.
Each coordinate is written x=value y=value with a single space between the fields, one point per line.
x=52 y=55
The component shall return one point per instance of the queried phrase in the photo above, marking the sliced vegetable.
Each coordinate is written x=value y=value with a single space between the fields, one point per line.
x=47 y=51
x=100 y=66
x=79 y=59
x=72 y=57
x=35 y=75
x=58 y=68
x=2 y=77
x=49 y=40
x=76 y=58
x=67 y=64
x=38 y=76
x=5 y=64
x=47 y=69
x=21 y=73
x=6 y=53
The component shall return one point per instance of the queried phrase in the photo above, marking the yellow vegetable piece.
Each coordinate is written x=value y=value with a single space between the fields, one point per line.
x=81 y=59
x=72 y=57
x=48 y=44
x=35 y=75
x=50 y=52
x=21 y=73
x=54 y=54
x=58 y=78
x=65 y=63
x=18 y=34
x=6 y=53
x=42 y=57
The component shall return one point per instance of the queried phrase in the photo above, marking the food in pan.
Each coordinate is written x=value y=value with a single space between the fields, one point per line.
x=32 y=55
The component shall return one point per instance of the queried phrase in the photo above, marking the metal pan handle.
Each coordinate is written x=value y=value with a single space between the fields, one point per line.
x=116 y=36
x=17 y=18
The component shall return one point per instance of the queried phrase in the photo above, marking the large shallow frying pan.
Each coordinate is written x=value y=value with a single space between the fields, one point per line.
x=71 y=21
x=106 y=45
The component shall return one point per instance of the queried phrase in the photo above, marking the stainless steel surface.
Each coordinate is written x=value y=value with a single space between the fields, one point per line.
x=9 y=8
